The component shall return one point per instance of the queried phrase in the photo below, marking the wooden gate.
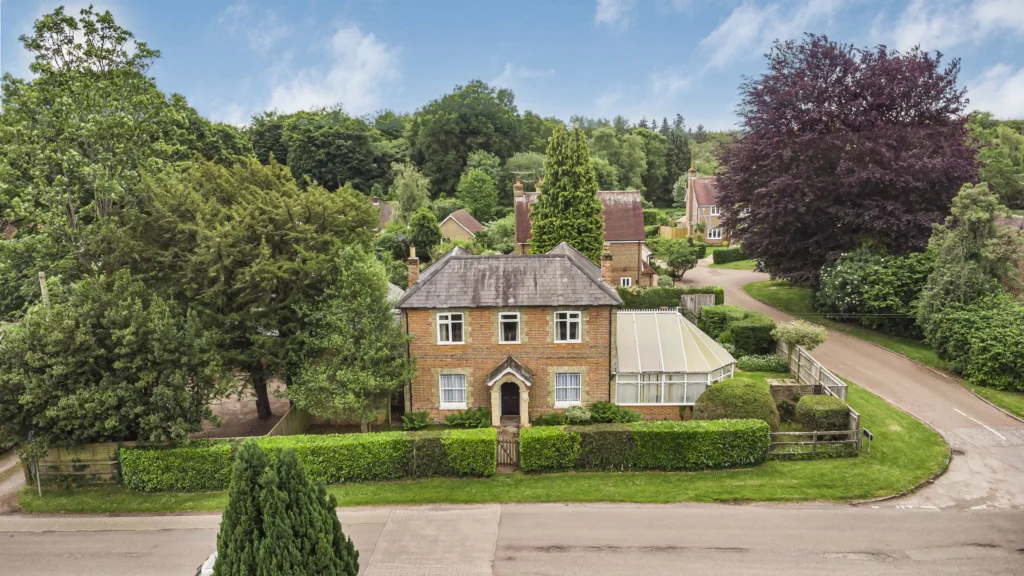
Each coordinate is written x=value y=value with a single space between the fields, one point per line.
x=508 y=452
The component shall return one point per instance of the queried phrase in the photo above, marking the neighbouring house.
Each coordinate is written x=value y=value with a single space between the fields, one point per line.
x=460 y=225
x=524 y=335
x=388 y=210
x=702 y=208
x=623 y=232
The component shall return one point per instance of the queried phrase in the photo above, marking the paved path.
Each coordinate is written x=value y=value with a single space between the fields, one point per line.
x=990 y=470
x=591 y=540
x=12 y=478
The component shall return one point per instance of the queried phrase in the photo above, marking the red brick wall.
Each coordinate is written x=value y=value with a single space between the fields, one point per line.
x=625 y=261
x=482 y=352
x=657 y=412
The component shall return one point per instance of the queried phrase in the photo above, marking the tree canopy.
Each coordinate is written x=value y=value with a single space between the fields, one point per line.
x=843 y=145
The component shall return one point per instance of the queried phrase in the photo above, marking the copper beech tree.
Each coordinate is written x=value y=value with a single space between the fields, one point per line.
x=842 y=146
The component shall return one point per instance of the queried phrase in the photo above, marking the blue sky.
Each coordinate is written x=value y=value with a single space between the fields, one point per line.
x=232 y=58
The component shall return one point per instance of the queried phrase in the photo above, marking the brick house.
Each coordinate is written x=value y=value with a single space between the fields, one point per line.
x=460 y=225
x=702 y=208
x=529 y=334
x=623 y=232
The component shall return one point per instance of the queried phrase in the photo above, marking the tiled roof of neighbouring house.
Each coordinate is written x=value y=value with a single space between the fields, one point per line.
x=623 y=216
x=706 y=191
x=562 y=277
x=466 y=220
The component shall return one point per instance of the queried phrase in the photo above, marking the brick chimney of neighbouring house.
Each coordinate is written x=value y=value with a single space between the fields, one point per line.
x=606 y=266
x=375 y=200
x=693 y=171
x=414 y=266
x=540 y=182
x=517 y=189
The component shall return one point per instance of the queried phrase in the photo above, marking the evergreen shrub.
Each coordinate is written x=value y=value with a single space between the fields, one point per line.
x=550 y=419
x=198 y=466
x=762 y=363
x=726 y=255
x=825 y=413
x=479 y=417
x=737 y=398
x=753 y=334
x=714 y=320
x=610 y=412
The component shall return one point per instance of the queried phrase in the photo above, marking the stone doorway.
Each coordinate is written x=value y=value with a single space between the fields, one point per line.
x=510 y=399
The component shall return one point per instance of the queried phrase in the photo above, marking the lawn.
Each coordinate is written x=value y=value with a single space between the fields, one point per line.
x=905 y=453
x=737 y=265
x=796 y=301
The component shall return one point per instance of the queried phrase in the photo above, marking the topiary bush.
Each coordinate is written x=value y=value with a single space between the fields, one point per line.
x=196 y=467
x=752 y=335
x=479 y=417
x=550 y=419
x=415 y=420
x=726 y=255
x=824 y=413
x=736 y=398
x=762 y=363
x=714 y=320
x=577 y=415
x=548 y=448
x=610 y=412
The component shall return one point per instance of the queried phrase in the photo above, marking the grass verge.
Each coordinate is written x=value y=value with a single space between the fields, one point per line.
x=905 y=453
x=796 y=301
x=736 y=265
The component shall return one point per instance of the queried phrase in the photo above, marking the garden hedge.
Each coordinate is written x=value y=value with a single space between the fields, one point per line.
x=665 y=296
x=726 y=255
x=823 y=413
x=649 y=445
x=752 y=335
x=327 y=459
x=715 y=319
x=737 y=398
x=762 y=363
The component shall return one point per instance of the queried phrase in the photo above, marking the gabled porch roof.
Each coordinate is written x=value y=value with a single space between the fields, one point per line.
x=510 y=366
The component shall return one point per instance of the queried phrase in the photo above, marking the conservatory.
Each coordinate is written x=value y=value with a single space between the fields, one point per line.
x=664 y=360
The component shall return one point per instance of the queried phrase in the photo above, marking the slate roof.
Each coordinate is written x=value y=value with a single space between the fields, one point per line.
x=466 y=220
x=394 y=292
x=705 y=190
x=623 y=216
x=562 y=277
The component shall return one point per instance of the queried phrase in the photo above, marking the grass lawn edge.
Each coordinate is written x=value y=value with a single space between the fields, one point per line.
x=994 y=401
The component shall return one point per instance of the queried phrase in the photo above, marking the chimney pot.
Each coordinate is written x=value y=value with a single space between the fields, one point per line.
x=517 y=189
x=375 y=200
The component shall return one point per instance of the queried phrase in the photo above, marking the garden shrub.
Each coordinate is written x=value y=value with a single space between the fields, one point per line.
x=752 y=335
x=737 y=398
x=665 y=296
x=577 y=415
x=715 y=319
x=548 y=448
x=415 y=420
x=984 y=341
x=787 y=410
x=472 y=452
x=479 y=417
x=665 y=281
x=550 y=419
x=875 y=290
x=826 y=413
x=702 y=248
x=762 y=363
x=195 y=467
x=610 y=412
x=726 y=255
x=603 y=447
x=652 y=231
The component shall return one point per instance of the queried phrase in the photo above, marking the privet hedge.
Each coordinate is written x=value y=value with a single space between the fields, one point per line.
x=752 y=335
x=665 y=296
x=649 y=445
x=823 y=413
x=762 y=363
x=715 y=319
x=726 y=255
x=327 y=459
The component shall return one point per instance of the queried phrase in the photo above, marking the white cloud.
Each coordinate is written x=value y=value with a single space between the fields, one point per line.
x=360 y=65
x=513 y=75
x=998 y=90
x=605 y=103
x=750 y=28
x=614 y=12
x=942 y=24
x=667 y=84
x=262 y=29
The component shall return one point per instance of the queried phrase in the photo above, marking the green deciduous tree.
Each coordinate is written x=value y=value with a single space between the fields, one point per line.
x=266 y=132
x=351 y=368
x=632 y=163
x=488 y=163
x=476 y=191
x=424 y=232
x=528 y=166
x=655 y=175
x=679 y=190
x=109 y=361
x=1001 y=157
x=499 y=235
x=607 y=175
x=678 y=254
x=409 y=188
x=332 y=149
x=677 y=158
x=568 y=209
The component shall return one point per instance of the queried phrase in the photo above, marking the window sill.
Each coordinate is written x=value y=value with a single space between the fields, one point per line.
x=452 y=406
x=516 y=342
x=568 y=341
x=677 y=404
x=567 y=404
x=450 y=343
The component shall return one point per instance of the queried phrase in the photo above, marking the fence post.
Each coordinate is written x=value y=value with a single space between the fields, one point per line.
x=814 y=441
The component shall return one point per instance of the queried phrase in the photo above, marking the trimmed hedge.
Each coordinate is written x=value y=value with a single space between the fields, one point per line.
x=753 y=334
x=650 y=445
x=715 y=319
x=762 y=363
x=665 y=296
x=327 y=459
x=726 y=255
x=196 y=467
x=736 y=398
x=823 y=413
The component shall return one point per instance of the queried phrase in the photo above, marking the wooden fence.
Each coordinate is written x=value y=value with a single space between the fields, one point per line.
x=672 y=232
x=809 y=371
x=85 y=464
x=296 y=421
x=692 y=303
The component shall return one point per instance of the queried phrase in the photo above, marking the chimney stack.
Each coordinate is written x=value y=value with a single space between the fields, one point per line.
x=606 y=266
x=517 y=189
x=414 y=266
x=693 y=171
x=540 y=182
x=375 y=200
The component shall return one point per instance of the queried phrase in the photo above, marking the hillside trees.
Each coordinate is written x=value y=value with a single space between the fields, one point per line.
x=1002 y=158
x=332 y=149
x=477 y=192
x=410 y=189
x=568 y=209
x=843 y=145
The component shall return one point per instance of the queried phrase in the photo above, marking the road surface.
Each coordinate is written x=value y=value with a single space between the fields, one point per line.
x=546 y=539
x=988 y=470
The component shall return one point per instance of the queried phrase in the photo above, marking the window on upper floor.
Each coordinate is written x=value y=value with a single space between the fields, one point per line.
x=508 y=328
x=714 y=210
x=450 y=328
x=567 y=326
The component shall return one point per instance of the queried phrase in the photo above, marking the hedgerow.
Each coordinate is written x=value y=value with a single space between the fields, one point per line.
x=715 y=319
x=726 y=255
x=196 y=467
x=762 y=363
x=650 y=445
